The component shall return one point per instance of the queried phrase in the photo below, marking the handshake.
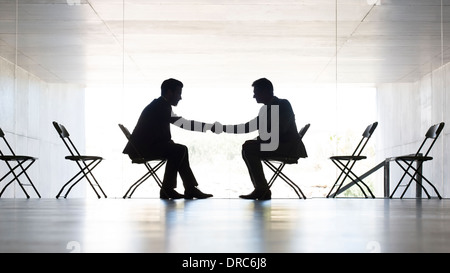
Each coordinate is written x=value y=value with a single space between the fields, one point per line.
x=217 y=127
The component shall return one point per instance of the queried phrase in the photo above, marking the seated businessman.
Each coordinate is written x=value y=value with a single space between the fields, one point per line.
x=152 y=138
x=277 y=136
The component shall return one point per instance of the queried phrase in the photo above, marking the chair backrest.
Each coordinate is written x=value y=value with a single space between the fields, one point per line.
x=435 y=130
x=2 y=135
x=65 y=136
x=365 y=138
x=431 y=136
x=303 y=131
x=125 y=131
x=370 y=129
x=127 y=134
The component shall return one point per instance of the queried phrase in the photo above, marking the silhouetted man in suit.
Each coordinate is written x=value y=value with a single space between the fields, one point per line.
x=152 y=138
x=278 y=136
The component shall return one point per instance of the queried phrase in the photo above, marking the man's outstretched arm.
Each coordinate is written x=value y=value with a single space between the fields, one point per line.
x=190 y=125
x=243 y=128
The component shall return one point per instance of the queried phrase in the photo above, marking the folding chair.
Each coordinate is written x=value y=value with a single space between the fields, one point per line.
x=282 y=161
x=346 y=163
x=406 y=162
x=86 y=163
x=22 y=161
x=151 y=171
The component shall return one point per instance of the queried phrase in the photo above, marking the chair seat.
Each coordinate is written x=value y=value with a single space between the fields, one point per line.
x=83 y=157
x=144 y=160
x=281 y=159
x=16 y=157
x=413 y=158
x=348 y=157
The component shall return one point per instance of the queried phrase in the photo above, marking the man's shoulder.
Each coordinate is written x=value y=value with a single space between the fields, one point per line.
x=157 y=103
x=276 y=99
x=281 y=102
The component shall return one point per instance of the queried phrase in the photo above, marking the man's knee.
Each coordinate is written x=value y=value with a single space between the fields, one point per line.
x=250 y=148
x=179 y=150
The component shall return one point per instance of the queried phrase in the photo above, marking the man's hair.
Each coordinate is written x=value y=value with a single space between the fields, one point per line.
x=264 y=85
x=170 y=84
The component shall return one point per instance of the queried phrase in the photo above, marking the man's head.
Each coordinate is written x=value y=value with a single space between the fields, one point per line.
x=262 y=90
x=171 y=90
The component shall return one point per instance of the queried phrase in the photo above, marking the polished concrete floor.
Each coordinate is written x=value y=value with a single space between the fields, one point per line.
x=342 y=225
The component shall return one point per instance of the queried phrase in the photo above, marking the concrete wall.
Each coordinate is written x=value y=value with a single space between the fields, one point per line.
x=405 y=112
x=27 y=108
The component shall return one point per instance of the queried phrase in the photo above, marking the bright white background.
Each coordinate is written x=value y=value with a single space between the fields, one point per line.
x=338 y=115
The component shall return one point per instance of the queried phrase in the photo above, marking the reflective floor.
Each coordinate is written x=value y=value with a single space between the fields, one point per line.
x=224 y=225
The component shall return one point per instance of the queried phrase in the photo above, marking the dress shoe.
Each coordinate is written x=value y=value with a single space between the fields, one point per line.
x=196 y=193
x=170 y=194
x=252 y=195
x=267 y=195
x=258 y=195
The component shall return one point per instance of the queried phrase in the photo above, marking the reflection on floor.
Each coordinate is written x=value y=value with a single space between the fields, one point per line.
x=224 y=225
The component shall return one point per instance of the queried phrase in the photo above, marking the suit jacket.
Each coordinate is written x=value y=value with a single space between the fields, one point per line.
x=290 y=141
x=152 y=128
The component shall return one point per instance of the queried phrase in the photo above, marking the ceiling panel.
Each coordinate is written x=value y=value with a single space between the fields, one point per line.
x=113 y=41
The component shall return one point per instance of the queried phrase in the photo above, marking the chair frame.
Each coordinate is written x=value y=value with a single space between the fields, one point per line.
x=23 y=162
x=85 y=168
x=151 y=171
x=276 y=164
x=346 y=163
x=406 y=162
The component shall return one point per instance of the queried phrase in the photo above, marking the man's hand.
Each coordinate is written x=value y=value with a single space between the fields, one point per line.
x=217 y=128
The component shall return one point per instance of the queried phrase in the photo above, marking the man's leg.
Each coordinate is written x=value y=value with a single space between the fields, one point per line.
x=178 y=162
x=189 y=182
x=183 y=167
x=174 y=154
x=251 y=153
